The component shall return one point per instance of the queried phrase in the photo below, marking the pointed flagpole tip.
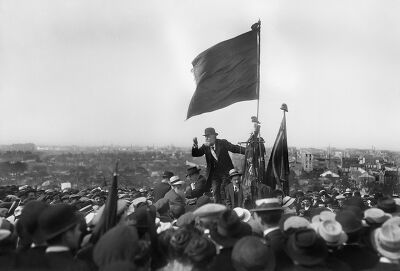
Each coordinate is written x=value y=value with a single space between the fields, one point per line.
x=256 y=26
x=284 y=107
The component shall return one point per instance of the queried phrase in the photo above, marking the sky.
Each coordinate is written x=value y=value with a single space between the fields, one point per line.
x=96 y=72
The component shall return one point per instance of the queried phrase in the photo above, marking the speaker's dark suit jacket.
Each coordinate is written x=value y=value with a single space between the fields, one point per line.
x=221 y=167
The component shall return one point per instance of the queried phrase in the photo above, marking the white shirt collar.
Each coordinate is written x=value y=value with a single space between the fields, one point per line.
x=56 y=249
x=266 y=231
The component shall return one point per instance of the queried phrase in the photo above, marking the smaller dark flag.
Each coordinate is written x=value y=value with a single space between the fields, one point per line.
x=226 y=73
x=109 y=217
x=278 y=165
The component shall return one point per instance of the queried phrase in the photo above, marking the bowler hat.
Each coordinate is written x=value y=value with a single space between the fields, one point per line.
x=253 y=253
x=57 y=219
x=229 y=229
x=209 y=131
x=167 y=174
x=29 y=219
x=306 y=247
x=192 y=170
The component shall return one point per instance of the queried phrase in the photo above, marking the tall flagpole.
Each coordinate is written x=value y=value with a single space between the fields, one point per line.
x=258 y=64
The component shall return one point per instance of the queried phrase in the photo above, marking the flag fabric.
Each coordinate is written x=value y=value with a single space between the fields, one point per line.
x=226 y=73
x=109 y=216
x=277 y=174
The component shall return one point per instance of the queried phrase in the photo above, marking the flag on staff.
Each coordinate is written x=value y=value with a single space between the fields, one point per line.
x=109 y=216
x=226 y=73
x=278 y=165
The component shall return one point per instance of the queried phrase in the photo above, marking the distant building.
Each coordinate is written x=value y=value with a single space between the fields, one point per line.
x=307 y=161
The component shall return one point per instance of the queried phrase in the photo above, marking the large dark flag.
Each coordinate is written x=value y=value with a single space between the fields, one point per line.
x=278 y=165
x=226 y=73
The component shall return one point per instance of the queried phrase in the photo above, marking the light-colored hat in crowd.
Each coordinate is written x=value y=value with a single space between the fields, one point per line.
x=268 y=204
x=376 y=216
x=287 y=201
x=243 y=214
x=175 y=180
x=387 y=239
x=340 y=196
x=324 y=215
x=332 y=232
x=295 y=222
x=209 y=209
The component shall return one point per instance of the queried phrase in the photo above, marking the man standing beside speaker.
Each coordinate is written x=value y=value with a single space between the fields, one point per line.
x=219 y=162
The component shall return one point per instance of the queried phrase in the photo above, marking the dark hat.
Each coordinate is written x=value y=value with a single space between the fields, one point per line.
x=192 y=170
x=349 y=221
x=29 y=219
x=306 y=247
x=179 y=240
x=268 y=204
x=119 y=243
x=253 y=253
x=388 y=206
x=57 y=219
x=209 y=131
x=229 y=229
x=233 y=172
x=203 y=200
x=167 y=174
x=162 y=205
x=200 y=250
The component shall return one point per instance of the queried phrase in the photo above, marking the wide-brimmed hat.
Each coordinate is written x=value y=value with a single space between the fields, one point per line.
x=175 y=180
x=229 y=229
x=192 y=170
x=322 y=216
x=268 y=204
x=287 y=201
x=376 y=216
x=295 y=222
x=306 y=247
x=167 y=174
x=253 y=253
x=233 y=172
x=57 y=219
x=389 y=206
x=243 y=214
x=347 y=191
x=387 y=239
x=332 y=232
x=209 y=131
x=209 y=210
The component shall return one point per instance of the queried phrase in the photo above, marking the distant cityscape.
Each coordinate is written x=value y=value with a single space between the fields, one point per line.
x=142 y=166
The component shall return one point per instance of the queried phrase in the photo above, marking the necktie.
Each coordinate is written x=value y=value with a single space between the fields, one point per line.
x=213 y=153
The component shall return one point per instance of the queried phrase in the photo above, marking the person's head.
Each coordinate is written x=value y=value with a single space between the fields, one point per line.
x=288 y=204
x=200 y=252
x=306 y=202
x=178 y=242
x=193 y=173
x=278 y=194
x=61 y=225
x=118 y=244
x=252 y=253
x=177 y=185
x=210 y=136
x=235 y=177
x=167 y=175
x=268 y=212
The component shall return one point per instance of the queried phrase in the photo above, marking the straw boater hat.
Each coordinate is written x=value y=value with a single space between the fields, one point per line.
x=375 y=216
x=175 y=180
x=287 y=201
x=233 y=172
x=387 y=239
x=295 y=222
x=268 y=204
x=332 y=232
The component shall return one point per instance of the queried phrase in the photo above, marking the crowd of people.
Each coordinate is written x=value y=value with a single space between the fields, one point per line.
x=178 y=225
